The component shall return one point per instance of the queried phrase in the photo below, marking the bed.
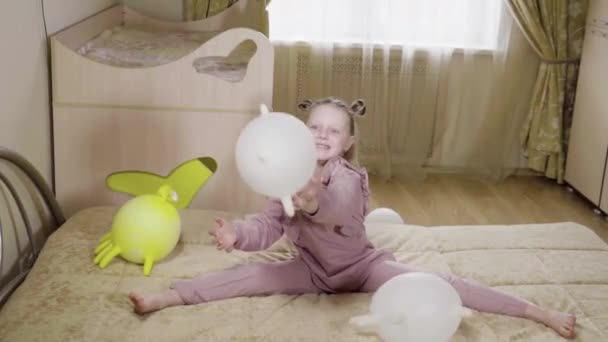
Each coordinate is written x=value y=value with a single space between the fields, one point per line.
x=132 y=92
x=65 y=296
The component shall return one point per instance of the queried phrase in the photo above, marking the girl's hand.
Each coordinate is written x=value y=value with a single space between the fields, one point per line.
x=306 y=198
x=224 y=235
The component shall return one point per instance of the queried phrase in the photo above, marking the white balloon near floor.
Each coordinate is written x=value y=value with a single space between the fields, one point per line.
x=415 y=306
x=383 y=215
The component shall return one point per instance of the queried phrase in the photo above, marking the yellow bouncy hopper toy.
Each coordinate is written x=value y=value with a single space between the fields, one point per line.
x=147 y=228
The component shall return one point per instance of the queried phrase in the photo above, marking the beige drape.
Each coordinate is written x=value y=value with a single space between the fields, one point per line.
x=453 y=109
x=555 y=31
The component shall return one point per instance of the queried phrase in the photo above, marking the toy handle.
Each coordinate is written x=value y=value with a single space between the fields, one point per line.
x=288 y=206
x=365 y=324
x=264 y=109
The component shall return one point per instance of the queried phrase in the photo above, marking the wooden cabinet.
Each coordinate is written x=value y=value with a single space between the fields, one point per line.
x=91 y=143
x=588 y=144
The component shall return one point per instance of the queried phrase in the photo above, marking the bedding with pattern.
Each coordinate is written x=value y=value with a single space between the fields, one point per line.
x=138 y=47
x=66 y=297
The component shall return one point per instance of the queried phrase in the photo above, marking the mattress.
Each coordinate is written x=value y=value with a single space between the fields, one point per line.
x=138 y=47
x=66 y=297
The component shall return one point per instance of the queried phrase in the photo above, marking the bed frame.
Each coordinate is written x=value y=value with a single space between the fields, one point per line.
x=43 y=191
x=108 y=119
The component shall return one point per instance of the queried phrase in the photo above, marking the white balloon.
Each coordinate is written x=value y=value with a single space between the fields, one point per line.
x=383 y=215
x=276 y=155
x=415 y=306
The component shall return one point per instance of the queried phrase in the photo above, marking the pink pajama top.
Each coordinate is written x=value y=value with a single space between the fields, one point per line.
x=333 y=242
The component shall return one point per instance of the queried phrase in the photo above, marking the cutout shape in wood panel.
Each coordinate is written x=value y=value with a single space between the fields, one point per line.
x=231 y=68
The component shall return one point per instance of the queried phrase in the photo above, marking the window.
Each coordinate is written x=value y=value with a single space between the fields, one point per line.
x=450 y=23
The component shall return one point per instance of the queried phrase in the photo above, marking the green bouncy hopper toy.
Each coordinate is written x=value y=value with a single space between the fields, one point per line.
x=147 y=228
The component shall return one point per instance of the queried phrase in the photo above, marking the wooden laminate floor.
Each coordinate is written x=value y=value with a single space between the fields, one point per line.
x=457 y=200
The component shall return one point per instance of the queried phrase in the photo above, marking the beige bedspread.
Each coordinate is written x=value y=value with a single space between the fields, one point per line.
x=68 y=298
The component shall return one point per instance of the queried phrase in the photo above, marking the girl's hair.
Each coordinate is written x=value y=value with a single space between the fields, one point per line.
x=354 y=110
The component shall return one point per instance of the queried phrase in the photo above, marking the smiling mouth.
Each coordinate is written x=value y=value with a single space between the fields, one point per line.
x=322 y=146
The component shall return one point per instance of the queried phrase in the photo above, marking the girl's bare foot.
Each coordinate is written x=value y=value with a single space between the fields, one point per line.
x=563 y=323
x=144 y=303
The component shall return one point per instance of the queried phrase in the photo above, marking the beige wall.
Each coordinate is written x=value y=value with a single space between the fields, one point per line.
x=24 y=108
x=63 y=13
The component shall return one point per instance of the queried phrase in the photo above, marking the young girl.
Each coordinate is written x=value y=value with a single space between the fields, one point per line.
x=334 y=253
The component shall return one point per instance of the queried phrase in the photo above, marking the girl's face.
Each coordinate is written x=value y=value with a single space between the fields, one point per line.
x=330 y=127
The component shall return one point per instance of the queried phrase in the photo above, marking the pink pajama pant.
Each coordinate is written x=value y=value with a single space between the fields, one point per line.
x=293 y=277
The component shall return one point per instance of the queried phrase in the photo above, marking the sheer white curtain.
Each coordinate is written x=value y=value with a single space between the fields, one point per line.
x=447 y=83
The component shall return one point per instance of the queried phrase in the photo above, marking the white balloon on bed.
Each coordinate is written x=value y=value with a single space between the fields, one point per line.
x=276 y=156
x=383 y=215
x=415 y=306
